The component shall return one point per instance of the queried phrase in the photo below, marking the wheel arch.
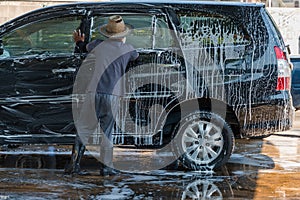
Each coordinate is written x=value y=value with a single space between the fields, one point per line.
x=205 y=104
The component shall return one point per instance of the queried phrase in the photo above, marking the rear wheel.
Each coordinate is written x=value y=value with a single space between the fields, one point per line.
x=203 y=140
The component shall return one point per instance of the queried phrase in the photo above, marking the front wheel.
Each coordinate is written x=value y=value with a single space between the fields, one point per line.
x=203 y=140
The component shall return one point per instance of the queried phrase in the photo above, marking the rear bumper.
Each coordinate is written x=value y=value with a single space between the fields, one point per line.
x=265 y=119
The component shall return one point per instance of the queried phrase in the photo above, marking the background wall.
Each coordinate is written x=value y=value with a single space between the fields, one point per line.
x=286 y=18
x=288 y=21
x=12 y=8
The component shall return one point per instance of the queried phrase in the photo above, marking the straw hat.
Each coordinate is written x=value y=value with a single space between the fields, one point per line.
x=115 y=28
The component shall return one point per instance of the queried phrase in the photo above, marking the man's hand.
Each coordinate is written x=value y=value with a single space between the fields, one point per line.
x=78 y=36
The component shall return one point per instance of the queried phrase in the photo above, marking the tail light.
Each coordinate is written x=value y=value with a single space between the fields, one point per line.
x=284 y=70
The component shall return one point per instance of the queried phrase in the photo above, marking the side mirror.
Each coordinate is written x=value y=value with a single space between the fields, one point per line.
x=1 y=47
x=288 y=49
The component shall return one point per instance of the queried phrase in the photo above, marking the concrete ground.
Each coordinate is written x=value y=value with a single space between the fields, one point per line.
x=258 y=169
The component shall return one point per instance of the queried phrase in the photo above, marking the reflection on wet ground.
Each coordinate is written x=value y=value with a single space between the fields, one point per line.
x=258 y=169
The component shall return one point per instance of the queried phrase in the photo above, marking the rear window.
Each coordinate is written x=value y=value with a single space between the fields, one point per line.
x=212 y=30
x=211 y=39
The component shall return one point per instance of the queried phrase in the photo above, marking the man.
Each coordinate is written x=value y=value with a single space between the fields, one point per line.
x=112 y=56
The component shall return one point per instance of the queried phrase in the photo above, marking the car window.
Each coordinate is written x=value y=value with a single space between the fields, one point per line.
x=211 y=29
x=51 y=36
x=147 y=31
x=210 y=39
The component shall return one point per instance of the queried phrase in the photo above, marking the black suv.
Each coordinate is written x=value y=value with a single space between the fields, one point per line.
x=208 y=72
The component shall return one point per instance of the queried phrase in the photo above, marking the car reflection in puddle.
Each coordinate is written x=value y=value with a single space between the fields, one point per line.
x=39 y=173
x=29 y=183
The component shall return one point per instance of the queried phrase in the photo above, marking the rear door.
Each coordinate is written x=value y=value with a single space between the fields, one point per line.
x=155 y=81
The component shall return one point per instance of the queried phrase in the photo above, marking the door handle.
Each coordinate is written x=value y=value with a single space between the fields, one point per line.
x=65 y=70
x=1 y=47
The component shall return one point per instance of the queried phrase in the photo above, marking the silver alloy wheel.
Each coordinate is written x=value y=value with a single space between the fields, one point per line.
x=203 y=142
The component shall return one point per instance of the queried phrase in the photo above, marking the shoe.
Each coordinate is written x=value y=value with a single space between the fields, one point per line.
x=77 y=152
x=72 y=168
x=106 y=156
x=108 y=171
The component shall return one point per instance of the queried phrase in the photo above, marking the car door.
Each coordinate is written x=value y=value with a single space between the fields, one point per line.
x=37 y=70
x=153 y=82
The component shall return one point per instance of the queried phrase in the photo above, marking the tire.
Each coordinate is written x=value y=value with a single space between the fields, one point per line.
x=203 y=140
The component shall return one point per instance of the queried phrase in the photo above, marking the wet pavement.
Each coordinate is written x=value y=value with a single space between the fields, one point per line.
x=258 y=169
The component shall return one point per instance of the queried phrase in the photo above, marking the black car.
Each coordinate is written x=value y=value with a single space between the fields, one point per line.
x=208 y=72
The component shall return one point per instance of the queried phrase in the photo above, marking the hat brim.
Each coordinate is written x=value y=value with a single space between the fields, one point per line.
x=127 y=30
